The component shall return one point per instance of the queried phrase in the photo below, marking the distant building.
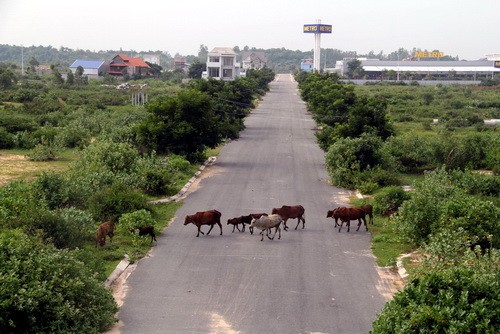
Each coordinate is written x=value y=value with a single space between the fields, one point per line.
x=121 y=64
x=180 y=62
x=415 y=70
x=42 y=69
x=91 y=68
x=253 y=60
x=221 y=64
x=307 y=65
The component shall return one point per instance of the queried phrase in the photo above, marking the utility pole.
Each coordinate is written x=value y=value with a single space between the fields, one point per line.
x=22 y=60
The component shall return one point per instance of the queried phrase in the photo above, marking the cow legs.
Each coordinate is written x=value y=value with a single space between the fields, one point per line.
x=220 y=225
x=284 y=225
x=299 y=219
x=211 y=227
x=199 y=231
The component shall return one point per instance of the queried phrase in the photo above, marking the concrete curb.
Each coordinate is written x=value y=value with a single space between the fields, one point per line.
x=399 y=261
x=120 y=268
x=181 y=193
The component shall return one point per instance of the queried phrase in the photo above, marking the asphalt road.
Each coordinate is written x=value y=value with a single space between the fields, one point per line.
x=313 y=280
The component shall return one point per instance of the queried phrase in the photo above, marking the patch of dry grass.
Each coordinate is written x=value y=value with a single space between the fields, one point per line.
x=14 y=165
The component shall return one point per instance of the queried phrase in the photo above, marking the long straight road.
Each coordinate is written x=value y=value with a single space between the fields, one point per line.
x=313 y=280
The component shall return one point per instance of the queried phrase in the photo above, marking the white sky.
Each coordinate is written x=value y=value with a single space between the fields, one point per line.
x=467 y=28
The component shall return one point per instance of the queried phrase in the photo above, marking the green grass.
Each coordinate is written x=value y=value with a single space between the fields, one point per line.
x=123 y=242
x=387 y=246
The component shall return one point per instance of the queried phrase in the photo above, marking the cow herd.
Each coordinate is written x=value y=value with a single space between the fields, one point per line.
x=278 y=216
x=262 y=221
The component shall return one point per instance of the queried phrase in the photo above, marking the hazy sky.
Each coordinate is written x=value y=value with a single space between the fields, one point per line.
x=467 y=28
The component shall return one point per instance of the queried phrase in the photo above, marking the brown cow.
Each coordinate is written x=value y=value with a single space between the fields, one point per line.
x=209 y=217
x=291 y=211
x=346 y=215
x=368 y=210
x=105 y=229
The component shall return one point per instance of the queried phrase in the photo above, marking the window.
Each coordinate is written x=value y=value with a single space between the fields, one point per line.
x=227 y=61
x=213 y=59
x=227 y=73
x=213 y=72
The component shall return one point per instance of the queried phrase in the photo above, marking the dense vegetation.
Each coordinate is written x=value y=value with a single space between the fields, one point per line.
x=376 y=136
x=51 y=273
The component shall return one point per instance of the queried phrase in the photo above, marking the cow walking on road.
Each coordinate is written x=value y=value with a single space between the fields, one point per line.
x=291 y=211
x=210 y=217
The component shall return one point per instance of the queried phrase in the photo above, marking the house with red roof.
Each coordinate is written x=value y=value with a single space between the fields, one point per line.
x=121 y=64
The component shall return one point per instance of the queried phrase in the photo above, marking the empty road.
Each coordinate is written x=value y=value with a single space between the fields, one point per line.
x=313 y=280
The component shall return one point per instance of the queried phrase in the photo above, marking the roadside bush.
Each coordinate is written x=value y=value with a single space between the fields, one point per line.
x=347 y=157
x=459 y=299
x=438 y=203
x=111 y=202
x=390 y=198
x=130 y=222
x=45 y=290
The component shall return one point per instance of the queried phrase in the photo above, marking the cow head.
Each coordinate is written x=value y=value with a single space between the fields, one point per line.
x=275 y=210
x=329 y=214
x=188 y=219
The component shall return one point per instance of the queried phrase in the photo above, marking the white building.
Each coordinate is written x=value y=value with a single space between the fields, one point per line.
x=91 y=68
x=221 y=64
x=375 y=68
x=253 y=60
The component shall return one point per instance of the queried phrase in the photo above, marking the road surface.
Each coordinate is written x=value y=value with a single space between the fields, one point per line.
x=313 y=280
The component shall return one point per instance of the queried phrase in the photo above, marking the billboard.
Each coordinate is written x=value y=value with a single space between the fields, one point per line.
x=318 y=28
x=425 y=54
x=497 y=64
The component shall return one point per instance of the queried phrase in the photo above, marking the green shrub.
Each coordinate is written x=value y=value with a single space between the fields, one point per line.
x=42 y=152
x=6 y=139
x=45 y=290
x=453 y=300
x=130 y=222
x=111 y=202
x=390 y=198
x=51 y=188
x=368 y=187
x=438 y=202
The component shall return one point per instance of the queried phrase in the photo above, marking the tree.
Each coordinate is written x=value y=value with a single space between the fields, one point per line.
x=183 y=124
x=196 y=69
x=70 y=78
x=354 y=69
x=7 y=77
x=203 y=53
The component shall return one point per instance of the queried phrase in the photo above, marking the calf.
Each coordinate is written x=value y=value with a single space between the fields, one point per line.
x=235 y=222
x=105 y=229
x=147 y=230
